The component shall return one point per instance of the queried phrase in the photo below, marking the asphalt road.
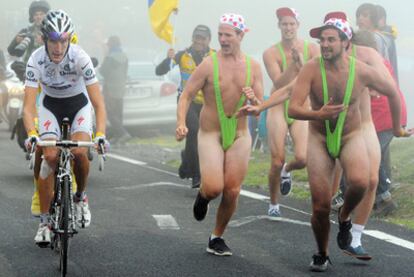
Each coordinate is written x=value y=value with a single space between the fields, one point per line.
x=142 y=225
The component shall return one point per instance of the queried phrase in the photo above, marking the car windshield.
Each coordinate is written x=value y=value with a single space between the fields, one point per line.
x=142 y=71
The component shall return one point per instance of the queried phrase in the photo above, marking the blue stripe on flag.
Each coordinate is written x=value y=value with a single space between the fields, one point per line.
x=150 y=2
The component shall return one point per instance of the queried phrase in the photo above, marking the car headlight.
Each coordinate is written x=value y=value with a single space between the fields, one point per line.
x=16 y=91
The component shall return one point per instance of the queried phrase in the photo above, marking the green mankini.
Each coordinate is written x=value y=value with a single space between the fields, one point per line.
x=228 y=125
x=289 y=120
x=334 y=139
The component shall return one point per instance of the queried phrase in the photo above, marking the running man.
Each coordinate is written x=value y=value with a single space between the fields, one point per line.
x=224 y=141
x=335 y=83
x=282 y=69
x=363 y=48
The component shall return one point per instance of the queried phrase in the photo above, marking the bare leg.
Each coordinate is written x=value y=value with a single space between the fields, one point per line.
x=81 y=162
x=235 y=169
x=355 y=162
x=211 y=157
x=277 y=130
x=299 y=133
x=320 y=173
x=363 y=210
x=46 y=183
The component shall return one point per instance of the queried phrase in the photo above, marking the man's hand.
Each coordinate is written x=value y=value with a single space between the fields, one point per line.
x=297 y=58
x=171 y=53
x=248 y=110
x=248 y=91
x=100 y=140
x=19 y=38
x=32 y=138
x=330 y=111
x=181 y=132
x=402 y=133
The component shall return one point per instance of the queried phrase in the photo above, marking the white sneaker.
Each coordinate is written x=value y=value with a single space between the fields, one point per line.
x=42 y=238
x=285 y=181
x=83 y=214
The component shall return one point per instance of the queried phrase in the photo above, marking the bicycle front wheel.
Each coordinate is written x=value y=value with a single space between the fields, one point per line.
x=64 y=226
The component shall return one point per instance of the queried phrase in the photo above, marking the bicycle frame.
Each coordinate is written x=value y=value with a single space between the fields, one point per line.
x=62 y=208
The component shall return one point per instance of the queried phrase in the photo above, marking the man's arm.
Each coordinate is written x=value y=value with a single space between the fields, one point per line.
x=29 y=108
x=97 y=100
x=386 y=87
x=301 y=90
x=165 y=66
x=194 y=84
x=16 y=40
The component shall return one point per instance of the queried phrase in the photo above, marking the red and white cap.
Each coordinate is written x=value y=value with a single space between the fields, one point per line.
x=235 y=20
x=337 y=20
x=285 y=11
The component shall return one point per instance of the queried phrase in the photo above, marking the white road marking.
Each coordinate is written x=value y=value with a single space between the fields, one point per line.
x=373 y=233
x=125 y=159
x=166 y=222
x=249 y=219
x=390 y=238
x=151 y=185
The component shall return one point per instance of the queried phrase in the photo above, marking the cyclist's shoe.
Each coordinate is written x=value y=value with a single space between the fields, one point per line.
x=358 y=252
x=285 y=182
x=200 y=207
x=344 y=237
x=35 y=208
x=83 y=214
x=337 y=202
x=218 y=247
x=319 y=263
x=272 y=212
x=42 y=238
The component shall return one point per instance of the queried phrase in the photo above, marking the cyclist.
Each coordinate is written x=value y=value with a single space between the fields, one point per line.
x=69 y=87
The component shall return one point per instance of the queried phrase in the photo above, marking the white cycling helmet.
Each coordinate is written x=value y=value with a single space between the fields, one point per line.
x=57 y=25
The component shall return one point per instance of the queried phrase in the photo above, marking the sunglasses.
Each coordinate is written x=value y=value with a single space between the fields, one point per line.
x=58 y=36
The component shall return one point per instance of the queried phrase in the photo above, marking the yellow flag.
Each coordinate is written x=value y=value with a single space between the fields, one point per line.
x=159 y=13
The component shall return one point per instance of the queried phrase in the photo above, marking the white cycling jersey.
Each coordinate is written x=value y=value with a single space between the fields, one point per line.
x=68 y=78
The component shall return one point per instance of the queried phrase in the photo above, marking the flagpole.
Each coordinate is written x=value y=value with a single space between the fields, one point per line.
x=173 y=35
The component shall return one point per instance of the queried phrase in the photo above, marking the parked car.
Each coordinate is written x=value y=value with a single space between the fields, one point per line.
x=149 y=99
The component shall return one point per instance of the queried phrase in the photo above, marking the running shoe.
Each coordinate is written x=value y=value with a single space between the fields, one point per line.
x=358 y=252
x=344 y=237
x=337 y=202
x=319 y=263
x=200 y=207
x=195 y=182
x=218 y=247
x=285 y=182
x=272 y=212
x=83 y=213
x=42 y=238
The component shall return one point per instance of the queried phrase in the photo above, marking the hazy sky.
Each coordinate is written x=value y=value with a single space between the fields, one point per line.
x=95 y=20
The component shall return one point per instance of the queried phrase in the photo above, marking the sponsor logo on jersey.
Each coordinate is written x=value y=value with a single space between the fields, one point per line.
x=80 y=120
x=51 y=73
x=47 y=124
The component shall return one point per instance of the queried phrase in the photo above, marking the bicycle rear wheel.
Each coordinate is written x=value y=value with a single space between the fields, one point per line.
x=64 y=226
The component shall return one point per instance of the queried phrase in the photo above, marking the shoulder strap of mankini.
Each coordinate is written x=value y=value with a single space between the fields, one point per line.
x=216 y=84
x=282 y=53
x=351 y=79
x=247 y=83
x=306 y=51
x=324 y=82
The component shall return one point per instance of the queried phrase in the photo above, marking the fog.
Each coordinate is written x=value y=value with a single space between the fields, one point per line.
x=95 y=20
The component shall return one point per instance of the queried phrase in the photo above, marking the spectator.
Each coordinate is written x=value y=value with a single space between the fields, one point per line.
x=188 y=60
x=114 y=70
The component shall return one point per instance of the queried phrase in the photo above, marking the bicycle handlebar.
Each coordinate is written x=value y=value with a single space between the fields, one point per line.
x=67 y=144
